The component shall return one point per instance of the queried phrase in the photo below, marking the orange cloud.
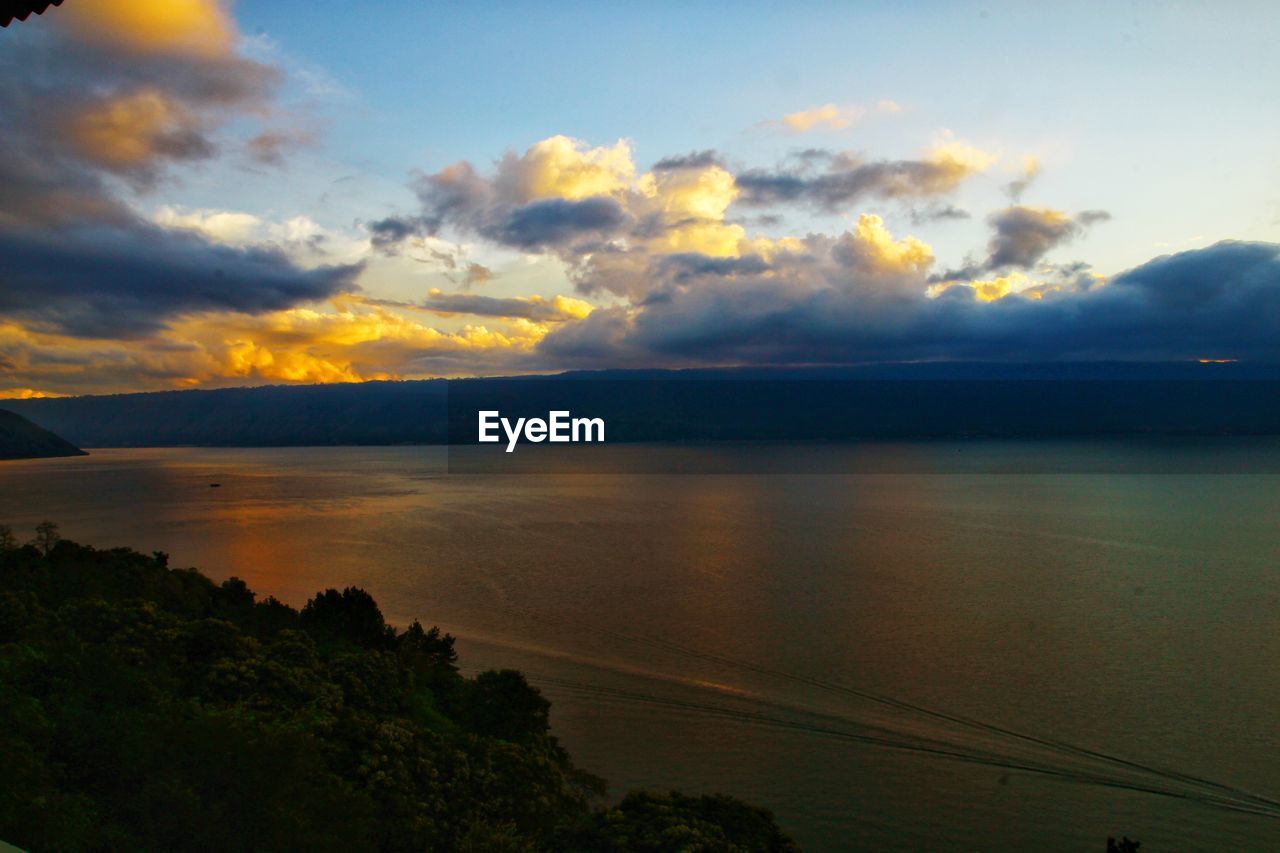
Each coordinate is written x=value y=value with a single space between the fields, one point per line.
x=189 y=27
x=26 y=394
x=130 y=131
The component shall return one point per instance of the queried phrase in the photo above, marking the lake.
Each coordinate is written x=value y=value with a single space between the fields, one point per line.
x=888 y=661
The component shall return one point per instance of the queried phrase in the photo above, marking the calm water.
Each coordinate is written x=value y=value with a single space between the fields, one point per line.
x=888 y=661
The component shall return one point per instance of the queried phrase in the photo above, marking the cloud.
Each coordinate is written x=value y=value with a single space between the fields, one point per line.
x=269 y=147
x=536 y=308
x=121 y=282
x=692 y=160
x=566 y=197
x=1220 y=302
x=827 y=116
x=830 y=117
x=221 y=226
x=475 y=275
x=107 y=90
x=1030 y=171
x=555 y=221
x=99 y=103
x=389 y=233
x=349 y=340
x=937 y=213
x=556 y=192
x=870 y=251
x=131 y=132
x=1024 y=235
x=847 y=178
x=147 y=27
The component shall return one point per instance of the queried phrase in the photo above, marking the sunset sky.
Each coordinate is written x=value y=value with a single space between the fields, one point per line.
x=204 y=194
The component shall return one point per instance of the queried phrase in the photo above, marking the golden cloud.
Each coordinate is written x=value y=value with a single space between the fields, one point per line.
x=26 y=394
x=831 y=116
x=561 y=167
x=692 y=205
x=827 y=115
x=349 y=341
x=873 y=252
x=190 y=27
x=130 y=131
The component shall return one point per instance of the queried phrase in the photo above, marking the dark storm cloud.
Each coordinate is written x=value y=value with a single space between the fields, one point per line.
x=555 y=221
x=119 y=282
x=1219 y=302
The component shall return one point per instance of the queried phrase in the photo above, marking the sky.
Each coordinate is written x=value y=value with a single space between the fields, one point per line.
x=197 y=193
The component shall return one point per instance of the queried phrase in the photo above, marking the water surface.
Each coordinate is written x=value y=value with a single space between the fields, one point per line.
x=889 y=661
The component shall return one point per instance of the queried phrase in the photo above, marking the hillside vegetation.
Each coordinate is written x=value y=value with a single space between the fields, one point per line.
x=149 y=708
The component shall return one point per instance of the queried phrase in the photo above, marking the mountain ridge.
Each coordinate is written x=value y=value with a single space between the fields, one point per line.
x=22 y=439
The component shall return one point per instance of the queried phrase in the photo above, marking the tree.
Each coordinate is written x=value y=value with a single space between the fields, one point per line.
x=501 y=704
x=7 y=540
x=427 y=649
x=46 y=536
x=351 y=615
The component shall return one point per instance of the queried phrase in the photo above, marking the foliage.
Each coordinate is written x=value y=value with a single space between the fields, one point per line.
x=150 y=708
x=649 y=822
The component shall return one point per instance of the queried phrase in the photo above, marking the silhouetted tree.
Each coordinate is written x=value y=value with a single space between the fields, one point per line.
x=427 y=648
x=7 y=540
x=501 y=704
x=1124 y=845
x=46 y=537
x=236 y=593
x=350 y=615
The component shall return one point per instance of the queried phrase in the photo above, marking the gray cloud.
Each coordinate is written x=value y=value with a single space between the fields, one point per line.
x=101 y=281
x=173 y=105
x=475 y=275
x=533 y=308
x=847 y=179
x=556 y=221
x=938 y=213
x=1219 y=302
x=692 y=160
x=1024 y=235
x=74 y=258
x=1019 y=185
x=389 y=233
